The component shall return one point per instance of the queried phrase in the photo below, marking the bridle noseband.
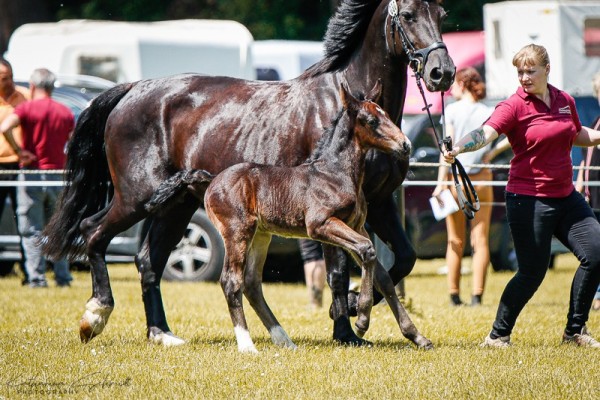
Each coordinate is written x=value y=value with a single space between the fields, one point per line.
x=416 y=58
x=467 y=198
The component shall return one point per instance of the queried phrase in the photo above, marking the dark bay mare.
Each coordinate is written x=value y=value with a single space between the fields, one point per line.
x=324 y=201
x=135 y=136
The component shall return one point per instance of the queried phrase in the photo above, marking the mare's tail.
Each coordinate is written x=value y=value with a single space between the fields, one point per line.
x=87 y=178
x=176 y=187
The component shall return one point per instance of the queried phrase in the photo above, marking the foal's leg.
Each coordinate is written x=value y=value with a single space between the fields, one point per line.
x=384 y=285
x=165 y=232
x=384 y=220
x=98 y=230
x=236 y=238
x=365 y=300
x=253 y=290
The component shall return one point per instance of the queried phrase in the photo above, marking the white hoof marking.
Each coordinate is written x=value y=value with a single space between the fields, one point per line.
x=96 y=315
x=244 y=341
x=167 y=339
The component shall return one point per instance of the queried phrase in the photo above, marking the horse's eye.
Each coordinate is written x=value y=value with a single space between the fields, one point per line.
x=373 y=122
x=408 y=16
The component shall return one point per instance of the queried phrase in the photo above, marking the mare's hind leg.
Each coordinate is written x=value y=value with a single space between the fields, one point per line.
x=253 y=290
x=98 y=230
x=165 y=232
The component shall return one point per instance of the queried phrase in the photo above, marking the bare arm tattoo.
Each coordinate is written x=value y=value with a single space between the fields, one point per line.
x=477 y=140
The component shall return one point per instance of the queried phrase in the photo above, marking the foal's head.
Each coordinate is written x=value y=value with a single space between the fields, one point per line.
x=373 y=127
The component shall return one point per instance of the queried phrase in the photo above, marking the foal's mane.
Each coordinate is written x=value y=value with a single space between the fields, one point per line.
x=345 y=31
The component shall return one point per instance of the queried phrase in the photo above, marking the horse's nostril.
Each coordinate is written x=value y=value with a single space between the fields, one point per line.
x=436 y=74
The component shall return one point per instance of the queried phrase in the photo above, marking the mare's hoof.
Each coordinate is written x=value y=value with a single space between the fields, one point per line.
x=94 y=320
x=344 y=335
x=352 y=305
x=167 y=339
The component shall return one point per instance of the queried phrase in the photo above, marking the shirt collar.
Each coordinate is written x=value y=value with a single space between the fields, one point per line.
x=529 y=97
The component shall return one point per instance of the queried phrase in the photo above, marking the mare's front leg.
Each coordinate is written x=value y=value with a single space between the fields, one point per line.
x=163 y=235
x=255 y=262
x=383 y=218
x=334 y=231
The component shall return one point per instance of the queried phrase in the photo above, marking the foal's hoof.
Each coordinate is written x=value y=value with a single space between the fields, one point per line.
x=94 y=320
x=423 y=343
x=344 y=335
x=167 y=339
x=352 y=305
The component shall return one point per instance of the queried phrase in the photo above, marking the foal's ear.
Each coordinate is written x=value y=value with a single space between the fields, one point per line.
x=346 y=96
x=375 y=93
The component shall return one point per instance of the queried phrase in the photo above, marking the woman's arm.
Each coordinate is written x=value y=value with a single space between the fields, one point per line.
x=587 y=137
x=474 y=140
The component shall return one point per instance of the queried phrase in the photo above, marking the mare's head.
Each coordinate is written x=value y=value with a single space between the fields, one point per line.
x=373 y=127
x=413 y=30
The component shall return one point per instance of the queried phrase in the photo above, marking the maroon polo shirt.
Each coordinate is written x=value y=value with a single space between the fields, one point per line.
x=46 y=125
x=541 y=139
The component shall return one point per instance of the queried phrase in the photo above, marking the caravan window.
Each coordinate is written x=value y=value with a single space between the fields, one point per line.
x=591 y=37
x=106 y=67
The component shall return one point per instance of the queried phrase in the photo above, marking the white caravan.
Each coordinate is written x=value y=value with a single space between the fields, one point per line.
x=129 y=51
x=570 y=31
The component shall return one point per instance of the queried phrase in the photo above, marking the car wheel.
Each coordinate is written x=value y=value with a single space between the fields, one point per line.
x=199 y=255
x=6 y=267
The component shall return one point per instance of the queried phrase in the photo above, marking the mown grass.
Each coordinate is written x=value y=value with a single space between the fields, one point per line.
x=41 y=355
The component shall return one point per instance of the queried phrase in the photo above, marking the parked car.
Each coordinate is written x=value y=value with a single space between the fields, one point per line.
x=197 y=257
x=429 y=236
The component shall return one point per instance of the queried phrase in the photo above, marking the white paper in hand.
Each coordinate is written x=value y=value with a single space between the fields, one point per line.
x=443 y=204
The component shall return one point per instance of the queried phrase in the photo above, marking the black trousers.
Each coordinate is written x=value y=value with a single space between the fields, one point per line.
x=533 y=221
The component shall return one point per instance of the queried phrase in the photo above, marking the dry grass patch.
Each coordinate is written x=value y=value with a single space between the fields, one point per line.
x=41 y=356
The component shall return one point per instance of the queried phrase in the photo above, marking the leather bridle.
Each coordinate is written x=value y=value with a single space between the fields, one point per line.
x=467 y=197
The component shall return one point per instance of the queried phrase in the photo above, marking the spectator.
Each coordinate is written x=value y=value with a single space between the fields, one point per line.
x=541 y=124
x=591 y=158
x=46 y=126
x=10 y=97
x=314 y=270
x=461 y=117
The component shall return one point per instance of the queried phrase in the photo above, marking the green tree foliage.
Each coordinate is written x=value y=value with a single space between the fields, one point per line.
x=266 y=19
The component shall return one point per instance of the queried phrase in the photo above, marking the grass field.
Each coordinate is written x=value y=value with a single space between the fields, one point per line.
x=41 y=355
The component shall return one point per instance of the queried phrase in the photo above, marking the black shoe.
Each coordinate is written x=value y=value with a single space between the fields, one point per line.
x=476 y=300
x=455 y=300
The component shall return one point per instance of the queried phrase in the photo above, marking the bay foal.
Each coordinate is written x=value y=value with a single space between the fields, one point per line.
x=320 y=199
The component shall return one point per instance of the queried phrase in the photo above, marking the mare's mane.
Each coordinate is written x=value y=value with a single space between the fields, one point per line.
x=345 y=31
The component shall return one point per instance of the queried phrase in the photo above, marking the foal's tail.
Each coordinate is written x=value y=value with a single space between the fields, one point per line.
x=177 y=186
x=87 y=178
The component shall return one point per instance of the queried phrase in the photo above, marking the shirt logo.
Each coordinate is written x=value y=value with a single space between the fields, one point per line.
x=565 y=110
